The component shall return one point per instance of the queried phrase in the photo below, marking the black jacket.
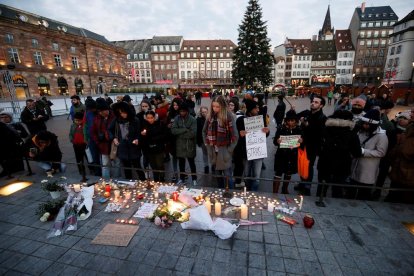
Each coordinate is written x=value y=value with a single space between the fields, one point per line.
x=33 y=125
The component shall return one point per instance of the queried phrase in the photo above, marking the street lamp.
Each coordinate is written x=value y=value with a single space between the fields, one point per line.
x=407 y=94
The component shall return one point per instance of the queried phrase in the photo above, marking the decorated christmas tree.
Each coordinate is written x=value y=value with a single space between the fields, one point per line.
x=252 y=60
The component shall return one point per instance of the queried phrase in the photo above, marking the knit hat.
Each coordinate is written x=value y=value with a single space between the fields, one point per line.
x=291 y=115
x=403 y=114
x=250 y=105
x=7 y=114
x=372 y=117
x=126 y=98
x=101 y=104
x=90 y=103
x=358 y=101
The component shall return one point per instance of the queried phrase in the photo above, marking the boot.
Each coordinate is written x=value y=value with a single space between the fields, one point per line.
x=285 y=188
x=276 y=184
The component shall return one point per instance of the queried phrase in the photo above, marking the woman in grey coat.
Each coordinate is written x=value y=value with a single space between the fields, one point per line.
x=374 y=144
x=184 y=129
x=220 y=136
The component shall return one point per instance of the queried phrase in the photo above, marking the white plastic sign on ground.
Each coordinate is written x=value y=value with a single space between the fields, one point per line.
x=255 y=138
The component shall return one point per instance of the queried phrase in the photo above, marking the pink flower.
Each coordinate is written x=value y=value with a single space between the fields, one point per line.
x=157 y=221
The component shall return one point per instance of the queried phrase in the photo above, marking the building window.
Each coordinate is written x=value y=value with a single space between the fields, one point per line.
x=55 y=46
x=58 y=61
x=73 y=49
x=75 y=64
x=362 y=42
x=9 y=38
x=392 y=50
x=167 y=48
x=396 y=62
x=14 y=55
x=194 y=55
x=202 y=55
x=38 y=58
x=35 y=43
x=128 y=56
x=194 y=64
x=208 y=55
x=167 y=57
x=398 y=49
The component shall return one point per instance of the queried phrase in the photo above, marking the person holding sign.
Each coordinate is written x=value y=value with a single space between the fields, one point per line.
x=254 y=132
x=220 y=136
x=288 y=138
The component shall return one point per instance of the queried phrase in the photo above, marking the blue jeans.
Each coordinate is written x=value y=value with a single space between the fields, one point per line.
x=110 y=168
x=48 y=166
x=253 y=168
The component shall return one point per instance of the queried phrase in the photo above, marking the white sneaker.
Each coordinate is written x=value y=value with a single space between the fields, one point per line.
x=241 y=185
x=194 y=182
x=180 y=182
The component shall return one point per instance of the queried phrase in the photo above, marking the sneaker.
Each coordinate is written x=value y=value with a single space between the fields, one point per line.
x=240 y=185
x=180 y=182
x=194 y=182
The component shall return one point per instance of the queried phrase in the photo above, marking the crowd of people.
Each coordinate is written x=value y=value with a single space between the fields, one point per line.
x=357 y=146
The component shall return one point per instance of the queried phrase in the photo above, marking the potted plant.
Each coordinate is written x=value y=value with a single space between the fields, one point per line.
x=53 y=187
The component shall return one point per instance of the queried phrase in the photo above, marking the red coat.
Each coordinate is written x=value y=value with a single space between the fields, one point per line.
x=162 y=111
x=100 y=133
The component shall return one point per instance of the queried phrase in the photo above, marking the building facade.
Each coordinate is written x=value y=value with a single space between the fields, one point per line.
x=165 y=52
x=54 y=58
x=138 y=60
x=206 y=64
x=301 y=62
x=280 y=65
x=370 y=30
x=345 y=57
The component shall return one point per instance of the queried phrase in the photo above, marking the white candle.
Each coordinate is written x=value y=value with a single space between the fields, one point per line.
x=301 y=203
x=217 y=208
x=156 y=195
x=207 y=203
x=245 y=191
x=127 y=195
x=76 y=188
x=244 y=211
x=117 y=193
x=270 y=207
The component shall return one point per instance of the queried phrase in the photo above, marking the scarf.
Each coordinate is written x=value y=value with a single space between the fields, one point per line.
x=220 y=136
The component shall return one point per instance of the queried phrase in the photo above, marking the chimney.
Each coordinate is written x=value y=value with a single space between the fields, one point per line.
x=363 y=7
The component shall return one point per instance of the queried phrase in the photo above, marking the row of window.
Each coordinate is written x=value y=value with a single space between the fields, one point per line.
x=343 y=63
x=370 y=62
x=206 y=74
x=343 y=80
x=305 y=65
x=142 y=73
x=9 y=39
x=373 y=43
x=300 y=73
x=377 y=24
x=162 y=76
x=393 y=62
x=395 y=50
x=345 y=55
x=165 y=48
x=302 y=58
x=368 y=34
x=202 y=55
x=141 y=56
x=139 y=65
x=323 y=63
x=343 y=71
x=191 y=48
x=165 y=66
x=371 y=53
x=208 y=64
x=140 y=80
x=398 y=37
x=366 y=71
x=164 y=57
x=323 y=72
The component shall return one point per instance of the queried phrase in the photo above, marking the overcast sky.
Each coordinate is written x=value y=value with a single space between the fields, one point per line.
x=199 y=19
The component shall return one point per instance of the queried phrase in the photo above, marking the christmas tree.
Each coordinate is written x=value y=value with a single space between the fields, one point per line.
x=252 y=59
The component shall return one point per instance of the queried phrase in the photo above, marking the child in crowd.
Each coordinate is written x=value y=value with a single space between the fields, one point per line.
x=79 y=137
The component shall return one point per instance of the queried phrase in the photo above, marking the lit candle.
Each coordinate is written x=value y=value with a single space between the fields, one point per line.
x=175 y=196
x=217 y=208
x=207 y=203
x=170 y=203
x=156 y=195
x=127 y=195
x=117 y=193
x=244 y=211
x=76 y=188
x=301 y=203
x=107 y=190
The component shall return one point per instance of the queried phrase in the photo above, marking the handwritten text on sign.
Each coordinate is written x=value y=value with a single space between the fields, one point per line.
x=255 y=138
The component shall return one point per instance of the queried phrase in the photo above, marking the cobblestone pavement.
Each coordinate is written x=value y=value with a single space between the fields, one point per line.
x=348 y=238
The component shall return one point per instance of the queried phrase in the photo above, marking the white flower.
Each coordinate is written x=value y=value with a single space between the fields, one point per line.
x=44 y=181
x=43 y=219
x=63 y=177
x=157 y=221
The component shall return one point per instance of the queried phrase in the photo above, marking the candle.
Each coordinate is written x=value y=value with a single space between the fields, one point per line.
x=270 y=207
x=217 y=208
x=244 y=211
x=207 y=203
x=170 y=203
x=107 y=190
x=156 y=195
x=245 y=190
x=127 y=195
x=175 y=196
x=117 y=193
x=300 y=202
x=76 y=188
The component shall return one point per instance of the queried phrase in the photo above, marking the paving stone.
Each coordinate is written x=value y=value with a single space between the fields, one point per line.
x=146 y=243
x=284 y=229
x=308 y=255
x=82 y=259
x=96 y=263
x=290 y=252
x=137 y=255
x=54 y=269
x=303 y=242
x=174 y=247
x=6 y=241
x=161 y=271
x=71 y=270
x=223 y=244
x=330 y=269
x=11 y=259
x=218 y=268
x=270 y=228
x=202 y=267
x=222 y=255
x=326 y=257
x=349 y=271
x=237 y=271
x=25 y=246
x=239 y=259
x=168 y=261
x=145 y=269
x=275 y=273
x=316 y=234
x=273 y=250
x=256 y=248
x=240 y=246
x=337 y=246
x=293 y=266
x=206 y=253
x=190 y=250
x=256 y=272
x=275 y=263
x=312 y=268
x=242 y=235
x=271 y=238
x=184 y=264
x=287 y=240
x=364 y=263
x=345 y=260
x=50 y=252
x=128 y=268
x=152 y=258
x=320 y=244
x=257 y=261
x=209 y=241
x=255 y=236
x=33 y=265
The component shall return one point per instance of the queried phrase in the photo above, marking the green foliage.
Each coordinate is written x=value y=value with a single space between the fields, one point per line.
x=252 y=60
x=52 y=185
x=52 y=206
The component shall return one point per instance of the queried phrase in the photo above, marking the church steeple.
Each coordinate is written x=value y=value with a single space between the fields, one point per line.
x=327 y=29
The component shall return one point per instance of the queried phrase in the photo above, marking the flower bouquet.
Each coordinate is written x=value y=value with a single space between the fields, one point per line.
x=48 y=210
x=162 y=217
